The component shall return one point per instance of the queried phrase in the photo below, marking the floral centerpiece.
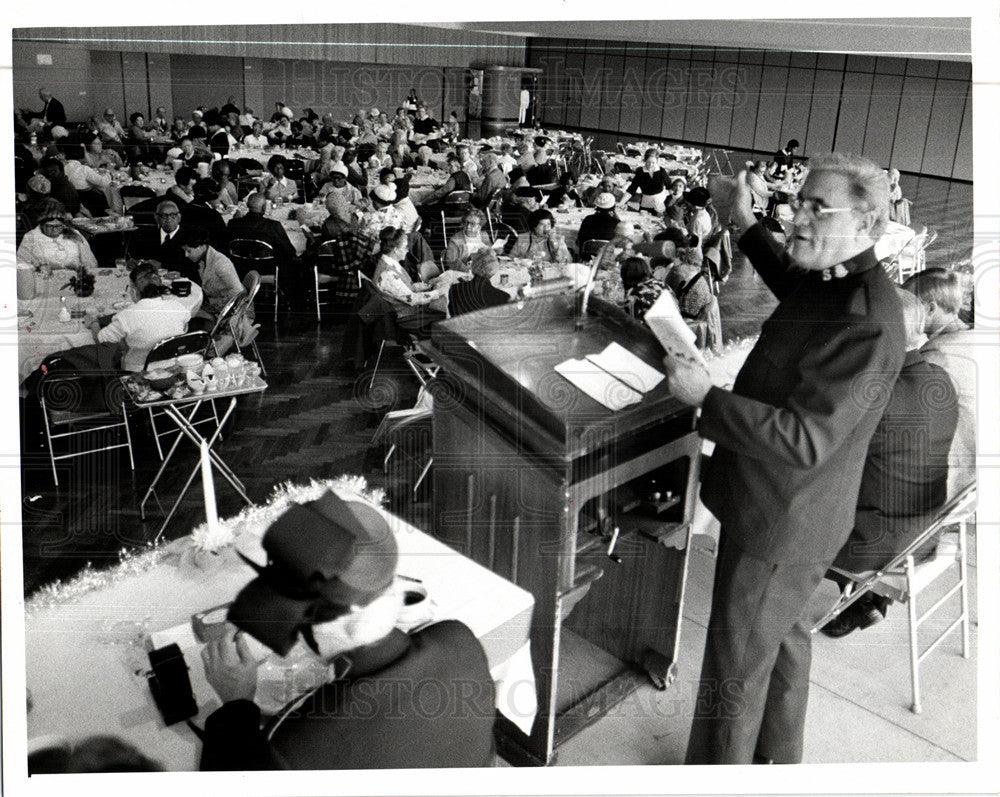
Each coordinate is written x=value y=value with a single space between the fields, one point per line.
x=82 y=284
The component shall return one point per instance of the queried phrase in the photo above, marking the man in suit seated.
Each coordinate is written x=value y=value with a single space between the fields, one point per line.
x=162 y=244
x=254 y=226
x=906 y=471
x=329 y=590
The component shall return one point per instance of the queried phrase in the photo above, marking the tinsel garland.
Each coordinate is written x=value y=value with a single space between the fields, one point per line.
x=252 y=519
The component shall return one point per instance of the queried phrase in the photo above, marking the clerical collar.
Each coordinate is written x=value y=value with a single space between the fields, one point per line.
x=855 y=265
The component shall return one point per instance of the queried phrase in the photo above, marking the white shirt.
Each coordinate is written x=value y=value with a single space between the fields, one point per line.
x=69 y=250
x=145 y=324
x=256 y=142
x=86 y=178
x=409 y=213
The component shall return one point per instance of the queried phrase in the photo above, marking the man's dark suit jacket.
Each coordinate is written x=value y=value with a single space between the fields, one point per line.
x=474 y=294
x=145 y=245
x=420 y=700
x=54 y=113
x=792 y=435
x=195 y=216
x=256 y=227
x=906 y=470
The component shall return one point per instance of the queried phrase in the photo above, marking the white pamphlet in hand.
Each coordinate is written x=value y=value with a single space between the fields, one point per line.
x=620 y=362
x=598 y=384
x=664 y=318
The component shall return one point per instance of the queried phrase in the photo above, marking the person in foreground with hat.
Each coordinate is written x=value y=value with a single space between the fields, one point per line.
x=599 y=225
x=396 y=700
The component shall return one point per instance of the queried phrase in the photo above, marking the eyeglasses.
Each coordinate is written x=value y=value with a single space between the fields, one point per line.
x=167 y=215
x=814 y=207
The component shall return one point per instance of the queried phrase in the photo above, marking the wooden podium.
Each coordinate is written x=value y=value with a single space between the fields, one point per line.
x=532 y=477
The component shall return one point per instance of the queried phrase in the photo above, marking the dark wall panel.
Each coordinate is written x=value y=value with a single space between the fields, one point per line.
x=136 y=86
x=699 y=100
x=852 y=118
x=611 y=102
x=208 y=80
x=963 y=152
x=798 y=102
x=911 y=128
x=944 y=127
x=883 y=111
x=574 y=81
x=675 y=97
x=633 y=92
x=745 y=111
x=592 y=85
x=822 y=113
x=770 y=108
x=106 y=79
x=656 y=97
x=722 y=97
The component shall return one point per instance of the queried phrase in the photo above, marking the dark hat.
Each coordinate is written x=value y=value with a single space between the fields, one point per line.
x=322 y=558
x=526 y=191
x=697 y=196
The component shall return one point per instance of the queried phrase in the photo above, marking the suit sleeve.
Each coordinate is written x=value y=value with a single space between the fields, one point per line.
x=841 y=381
x=765 y=256
x=233 y=739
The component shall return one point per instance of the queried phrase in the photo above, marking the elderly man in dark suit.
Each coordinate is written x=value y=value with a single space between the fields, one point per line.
x=791 y=439
x=906 y=471
x=163 y=244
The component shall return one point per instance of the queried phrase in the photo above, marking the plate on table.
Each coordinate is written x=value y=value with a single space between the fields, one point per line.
x=121 y=305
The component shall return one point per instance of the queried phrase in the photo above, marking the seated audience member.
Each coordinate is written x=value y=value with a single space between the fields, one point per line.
x=163 y=244
x=95 y=188
x=380 y=159
x=899 y=206
x=690 y=283
x=650 y=182
x=274 y=184
x=52 y=243
x=37 y=204
x=110 y=128
x=179 y=129
x=356 y=174
x=905 y=477
x=544 y=170
x=222 y=174
x=469 y=244
x=196 y=127
x=506 y=159
x=339 y=193
x=156 y=315
x=423 y=157
x=255 y=226
x=190 y=155
x=600 y=224
x=234 y=129
x=478 y=292
x=642 y=289
x=493 y=182
x=605 y=186
x=201 y=214
x=457 y=180
x=60 y=187
x=409 y=299
x=759 y=189
x=950 y=345
x=700 y=220
x=256 y=139
x=182 y=191
x=218 y=136
x=219 y=280
x=566 y=195
x=382 y=214
x=160 y=123
x=404 y=205
x=139 y=139
x=96 y=156
x=542 y=244
x=330 y=588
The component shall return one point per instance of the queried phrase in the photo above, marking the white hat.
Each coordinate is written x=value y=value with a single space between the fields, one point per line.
x=339 y=167
x=196 y=112
x=288 y=112
x=373 y=112
x=386 y=193
x=605 y=201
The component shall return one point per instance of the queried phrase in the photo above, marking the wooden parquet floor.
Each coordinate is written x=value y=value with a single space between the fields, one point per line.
x=316 y=420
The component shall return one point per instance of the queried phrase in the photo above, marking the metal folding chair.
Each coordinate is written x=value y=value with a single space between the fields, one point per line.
x=249 y=254
x=903 y=579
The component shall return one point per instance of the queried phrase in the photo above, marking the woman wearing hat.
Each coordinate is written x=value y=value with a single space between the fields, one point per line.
x=469 y=243
x=599 y=225
x=650 y=182
x=52 y=243
x=699 y=221
x=542 y=243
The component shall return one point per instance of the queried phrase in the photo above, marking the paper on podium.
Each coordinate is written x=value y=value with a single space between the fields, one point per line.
x=621 y=363
x=598 y=384
x=664 y=318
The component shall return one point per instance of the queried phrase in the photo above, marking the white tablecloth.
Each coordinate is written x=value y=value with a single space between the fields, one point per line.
x=42 y=333
x=83 y=654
